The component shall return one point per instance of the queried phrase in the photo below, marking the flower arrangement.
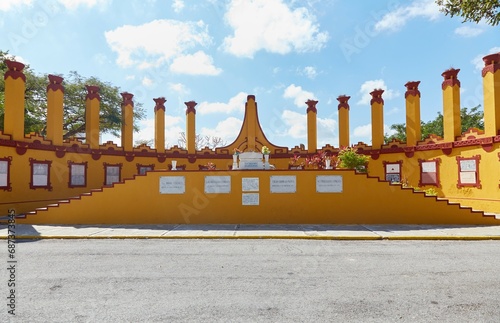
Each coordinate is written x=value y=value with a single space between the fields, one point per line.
x=210 y=166
x=265 y=150
x=294 y=162
x=236 y=151
x=319 y=160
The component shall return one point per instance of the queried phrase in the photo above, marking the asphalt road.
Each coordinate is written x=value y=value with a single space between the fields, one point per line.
x=254 y=281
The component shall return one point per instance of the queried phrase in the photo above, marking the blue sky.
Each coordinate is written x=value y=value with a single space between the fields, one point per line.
x=283 y=52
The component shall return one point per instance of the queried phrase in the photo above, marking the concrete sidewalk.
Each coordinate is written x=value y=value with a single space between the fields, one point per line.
x=232 y=231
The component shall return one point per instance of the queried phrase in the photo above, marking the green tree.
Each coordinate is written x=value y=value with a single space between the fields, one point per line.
x=472 y=118
x=74 y=103
x=472 y=10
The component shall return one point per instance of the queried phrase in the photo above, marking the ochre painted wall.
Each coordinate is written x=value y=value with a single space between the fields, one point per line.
x=362 y=200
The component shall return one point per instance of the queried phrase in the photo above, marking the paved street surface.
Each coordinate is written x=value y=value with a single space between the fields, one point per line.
x=254 y=280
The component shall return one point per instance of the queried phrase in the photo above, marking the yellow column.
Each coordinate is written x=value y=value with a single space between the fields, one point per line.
x=127 y=121
x=160 y=124
x=343 y=120
x=452 y=123
x=491 y=89
x=413 y=131
x=251 y=116
x=55 y=104
x=377 y=104
x=92 y=107
x=190 y=127
x=15 y=86
x=312 y=127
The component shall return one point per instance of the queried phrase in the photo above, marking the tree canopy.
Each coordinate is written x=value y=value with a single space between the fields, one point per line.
x=472 y=10
x=472 y=118
x=74 y=103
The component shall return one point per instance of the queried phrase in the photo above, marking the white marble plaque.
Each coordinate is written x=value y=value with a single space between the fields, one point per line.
x=428 y=167
x=283 y=184
x=468 y=165
x=217 y=184
x=329 y=184
x=250 y=199
x=250 y=184
x=172 y=184
x=392 y=168
x=468 y=177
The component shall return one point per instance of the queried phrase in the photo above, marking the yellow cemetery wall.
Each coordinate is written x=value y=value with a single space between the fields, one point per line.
x=361 y=200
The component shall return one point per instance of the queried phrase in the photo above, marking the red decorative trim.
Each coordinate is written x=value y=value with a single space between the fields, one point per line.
x=391 y=179
x=311 y=106
x=55 y=83
x=106 y=165
x=21 y=150
x=92 y=92
x=147 y=168
x=491 y=63
x=424 y=181
x=250 y=96
x=129 y=156
x=15 y=70
x=412 y=88
x=377 y=96
x=32 y=165
x=190 y=107
x=70 y=164
x=409 y=151
x=476 y=158
x=490 y=68
x=343 y=101
x=450 y=78
x=127 y=99
x=160 y=103
x=7 y=187
x=60 y=152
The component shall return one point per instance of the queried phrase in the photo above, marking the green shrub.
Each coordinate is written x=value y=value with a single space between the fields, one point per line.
x=350 y=159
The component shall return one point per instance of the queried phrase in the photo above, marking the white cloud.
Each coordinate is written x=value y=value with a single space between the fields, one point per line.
x=467 y=31
x=197 y=64
x=296 y=128
x=272 y=26
x=327 y=132
x=227 y=129
x=478 y=60
x=146 y=81
x=397 y=19
x=298 y=95
x=178 y=5
x=6 y=5
x=74 y=4
x=310 y=72
x=17 y=59
x=130 y=77
x=178 y=87
x=177 y=37
x=147 y=130
x=364 y=133
x=236 y=103
x=369 y=86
